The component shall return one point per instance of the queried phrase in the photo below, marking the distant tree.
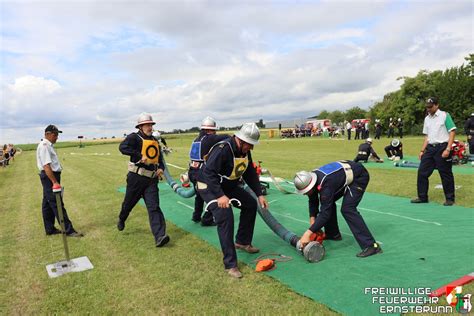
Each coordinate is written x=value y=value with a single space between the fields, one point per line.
x=336 y=117
x=355 y=113
x=323 y=115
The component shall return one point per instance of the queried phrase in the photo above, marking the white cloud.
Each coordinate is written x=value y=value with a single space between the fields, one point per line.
x=92 y=67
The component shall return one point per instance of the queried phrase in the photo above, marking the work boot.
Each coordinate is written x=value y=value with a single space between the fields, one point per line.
x=234 y=272
x=54 y=232
x=163 y=240
x=418 y=200
x=369 y=251
x=75 y=234
x=120 y=225
x=335 y=237
x=247 y=248
x=448 y=203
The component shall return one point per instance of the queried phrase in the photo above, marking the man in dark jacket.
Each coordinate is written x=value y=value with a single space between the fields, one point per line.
x=144 y=169
x=219 y=181
x=366 y=151
x=469 y=129
x=199 y=149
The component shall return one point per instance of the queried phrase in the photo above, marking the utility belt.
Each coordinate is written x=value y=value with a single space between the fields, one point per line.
x=362 y=153
x=195 y=164
x=141 y=171
x=348 y=171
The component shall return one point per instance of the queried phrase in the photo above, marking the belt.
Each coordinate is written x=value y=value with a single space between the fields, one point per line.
x=348 y=171
x=363 y=153
x=141 y=171
x=437 y=144
x=195 y=164
x=57 y=172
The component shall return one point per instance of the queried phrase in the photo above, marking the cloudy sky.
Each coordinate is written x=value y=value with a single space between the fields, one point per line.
x=92 y=66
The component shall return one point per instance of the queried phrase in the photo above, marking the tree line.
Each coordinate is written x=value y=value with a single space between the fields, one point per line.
x=454 y=88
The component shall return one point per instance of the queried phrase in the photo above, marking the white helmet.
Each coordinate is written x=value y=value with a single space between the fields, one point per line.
x=395 y=142
x=304 y=181
x=208 y=123
x=249 y=133
x=399 y=119
x=369 y=140
x=156 y=134
x=144 y=118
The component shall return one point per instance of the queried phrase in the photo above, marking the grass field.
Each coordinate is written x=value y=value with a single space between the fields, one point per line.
x=131 y=275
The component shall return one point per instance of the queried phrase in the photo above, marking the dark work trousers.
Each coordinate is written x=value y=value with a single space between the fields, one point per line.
x=147 y=188
x=198 y=201
x=50 y=208
x=400 y=132
x=390 y=132
x=360 y=157
x=378 y=132
x=430 y=160
x=348 y=134
x=471 y=144
x=224 y=218
x=351 y=198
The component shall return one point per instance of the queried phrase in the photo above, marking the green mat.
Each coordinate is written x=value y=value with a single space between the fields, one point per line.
x=424 y=245
x=387 y=164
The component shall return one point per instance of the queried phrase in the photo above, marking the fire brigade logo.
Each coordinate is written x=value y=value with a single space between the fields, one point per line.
x=455 y=298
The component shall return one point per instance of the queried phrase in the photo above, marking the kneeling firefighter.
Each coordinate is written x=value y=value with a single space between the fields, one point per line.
x=324 y=186
x=144 y=169
x=219 y=181
x=394 y=151
x=199 y=149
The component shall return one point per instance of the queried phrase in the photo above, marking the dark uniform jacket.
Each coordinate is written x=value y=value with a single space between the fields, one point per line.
x=367 y=148
x=132 y=146
x=207 y=141
x=331 y=187
x=220 y=161
x=469 y=126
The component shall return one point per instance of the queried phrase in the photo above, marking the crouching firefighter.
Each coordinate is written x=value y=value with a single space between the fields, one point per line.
x=199 y=149
x=144 y=169
x=394 y=151
x=219 y=181
x=366 y=151
x=324 y=186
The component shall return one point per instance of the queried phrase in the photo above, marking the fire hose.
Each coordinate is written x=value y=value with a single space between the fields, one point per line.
x=313 y=251
x=186 y=193
x=407 y=164
x=275 y=182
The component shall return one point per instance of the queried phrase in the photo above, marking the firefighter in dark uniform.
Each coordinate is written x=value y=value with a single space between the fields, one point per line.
x=219 y=180
x=400 y=127
x=145 y=168
x=391 y=128
x=378 y=129
x=394 y=151
x=469 y=129
x=324 y=186
x=199 y=149
x=366 y=151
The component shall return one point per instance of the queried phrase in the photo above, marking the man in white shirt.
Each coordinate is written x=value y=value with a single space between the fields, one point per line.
x=439 y=130
x=50 y=175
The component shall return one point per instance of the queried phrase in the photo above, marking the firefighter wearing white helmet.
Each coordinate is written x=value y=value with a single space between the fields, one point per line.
x=394 y=151
x=366 y=151
x=199 y=149
x=208 y=123
x=219 y=180
x=324 y=186
x=144 y=169
x=378 y=129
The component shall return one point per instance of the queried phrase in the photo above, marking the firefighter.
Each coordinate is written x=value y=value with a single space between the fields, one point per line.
x=366 y=151
x=394 y=151
x=199 y=149
x=144 y=169
x=219 y=180
x=327 y=184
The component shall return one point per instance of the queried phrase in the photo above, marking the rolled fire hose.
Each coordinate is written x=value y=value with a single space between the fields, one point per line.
x=406 y=164
x=186 y=193
x=313 y=251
